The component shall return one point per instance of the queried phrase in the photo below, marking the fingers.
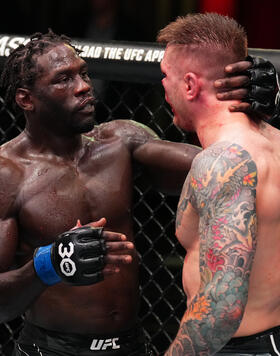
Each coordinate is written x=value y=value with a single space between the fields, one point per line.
x=237 y=67
x=113 y=236
x=243 y=107
x=237 y=94
x=118 y=253
x=118 y=260
x=78 y=224
x=109 y=270
x=99 y=223
x=119 y=246
x=113 y=263
x=232 y=82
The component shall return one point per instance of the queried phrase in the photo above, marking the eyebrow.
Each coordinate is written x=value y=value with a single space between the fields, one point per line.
x=83 y=66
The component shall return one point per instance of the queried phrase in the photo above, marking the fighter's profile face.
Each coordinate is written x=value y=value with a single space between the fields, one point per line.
x=171 y=82
x=173 y=68
x=63 y=91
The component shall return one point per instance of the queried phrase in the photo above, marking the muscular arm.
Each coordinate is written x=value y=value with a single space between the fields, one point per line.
x=18 y=287
x=167 y=163
x=222 y=190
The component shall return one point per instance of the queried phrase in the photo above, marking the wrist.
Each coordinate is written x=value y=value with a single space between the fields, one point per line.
x=43 y=266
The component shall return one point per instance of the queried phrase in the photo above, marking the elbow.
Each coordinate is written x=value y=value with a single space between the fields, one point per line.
x=231 y=319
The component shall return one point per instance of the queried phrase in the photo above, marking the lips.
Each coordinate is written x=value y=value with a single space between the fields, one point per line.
x=86 y=104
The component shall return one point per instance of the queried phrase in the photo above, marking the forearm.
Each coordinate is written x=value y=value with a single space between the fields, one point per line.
x=18 y=289
x=208 y=324
x=167 y=163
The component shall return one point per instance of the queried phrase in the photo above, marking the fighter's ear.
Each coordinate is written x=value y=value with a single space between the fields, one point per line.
x=192 y=85
x=24 y=99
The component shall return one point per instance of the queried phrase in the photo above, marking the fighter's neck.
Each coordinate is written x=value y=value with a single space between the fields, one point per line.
x=222 y=127
x=67 y=147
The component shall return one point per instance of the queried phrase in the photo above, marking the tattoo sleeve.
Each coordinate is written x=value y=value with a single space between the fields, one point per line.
x=221 y=186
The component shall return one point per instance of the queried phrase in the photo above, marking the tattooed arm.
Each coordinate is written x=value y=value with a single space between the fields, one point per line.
x=222 y=190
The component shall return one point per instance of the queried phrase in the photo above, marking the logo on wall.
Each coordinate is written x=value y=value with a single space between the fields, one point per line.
x=95 y=51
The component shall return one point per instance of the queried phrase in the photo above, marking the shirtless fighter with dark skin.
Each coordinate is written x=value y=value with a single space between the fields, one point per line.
x=60 y=173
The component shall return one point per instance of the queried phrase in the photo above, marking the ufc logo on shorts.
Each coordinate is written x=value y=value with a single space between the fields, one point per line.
x=101 y=344
x=67 y=266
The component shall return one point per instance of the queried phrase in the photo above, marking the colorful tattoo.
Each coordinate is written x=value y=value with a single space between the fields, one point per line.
x=221 y=186
x=183 y=203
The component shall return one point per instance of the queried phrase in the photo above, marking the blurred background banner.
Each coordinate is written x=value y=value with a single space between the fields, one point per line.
x=122 y=60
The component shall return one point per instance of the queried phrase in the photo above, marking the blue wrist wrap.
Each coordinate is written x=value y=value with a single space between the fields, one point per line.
x=44 y=267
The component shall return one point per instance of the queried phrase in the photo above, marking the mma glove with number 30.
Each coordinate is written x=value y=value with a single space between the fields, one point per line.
x=76 y=257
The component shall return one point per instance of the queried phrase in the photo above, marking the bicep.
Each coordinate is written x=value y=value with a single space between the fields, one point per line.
x=167 y=163
x=10 y=179
x=226 y=201
x=175 y=155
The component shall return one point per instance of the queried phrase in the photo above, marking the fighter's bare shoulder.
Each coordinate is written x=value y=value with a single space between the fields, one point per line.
x=222 y=167
x=128 y=130
x=218 y=152
x=15 y=148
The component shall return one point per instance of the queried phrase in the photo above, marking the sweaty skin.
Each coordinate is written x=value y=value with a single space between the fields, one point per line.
x=51 y=178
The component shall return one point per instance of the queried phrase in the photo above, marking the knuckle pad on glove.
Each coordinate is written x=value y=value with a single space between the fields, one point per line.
x=78 y=256
x=259 y=94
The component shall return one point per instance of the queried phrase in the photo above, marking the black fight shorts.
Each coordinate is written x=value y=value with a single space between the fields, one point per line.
x=36 y=341
x=266 y=343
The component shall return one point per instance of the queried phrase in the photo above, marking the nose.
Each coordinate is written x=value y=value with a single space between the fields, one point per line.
x=82 y=86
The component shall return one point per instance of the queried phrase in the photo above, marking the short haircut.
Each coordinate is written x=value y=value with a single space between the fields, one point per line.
x=207 y=30
x=20 y=69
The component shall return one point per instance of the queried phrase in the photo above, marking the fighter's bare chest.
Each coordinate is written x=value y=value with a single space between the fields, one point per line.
x=54 y=196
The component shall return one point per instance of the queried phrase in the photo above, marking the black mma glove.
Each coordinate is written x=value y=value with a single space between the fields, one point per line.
x=275 y=118
x=263 y=85
x=76 y=257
